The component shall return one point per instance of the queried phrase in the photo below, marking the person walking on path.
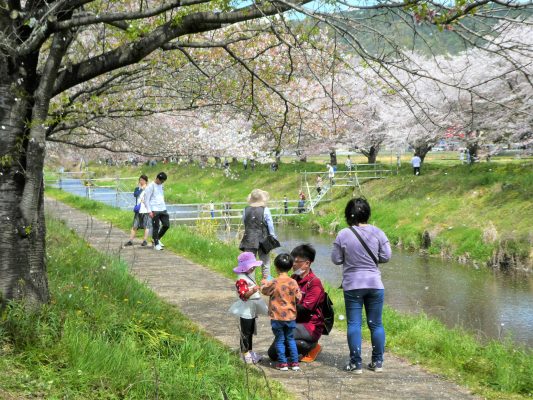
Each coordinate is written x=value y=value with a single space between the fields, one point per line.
x=141 y=219
x=154 y=200
x=249 y=306
x=359 y=248
x=416 y=162
x=284 y=293
x=309 y=316
x=258 y=224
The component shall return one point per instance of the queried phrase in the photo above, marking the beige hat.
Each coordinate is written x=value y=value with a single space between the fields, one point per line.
x=258 y=198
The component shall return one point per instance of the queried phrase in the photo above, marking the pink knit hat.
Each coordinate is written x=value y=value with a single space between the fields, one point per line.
x=246 y=262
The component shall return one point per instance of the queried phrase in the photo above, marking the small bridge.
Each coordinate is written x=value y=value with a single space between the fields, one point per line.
x=117 y=192
x=354 y=177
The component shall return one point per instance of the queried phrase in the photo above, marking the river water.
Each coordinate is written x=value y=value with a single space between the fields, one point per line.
x=489 y=304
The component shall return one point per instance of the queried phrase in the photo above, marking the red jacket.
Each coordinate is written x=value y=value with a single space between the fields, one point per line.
x=309 y=311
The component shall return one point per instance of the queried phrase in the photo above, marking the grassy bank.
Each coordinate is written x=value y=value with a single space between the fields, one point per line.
x=495 y=370
x=476 y=214
x=106 y=336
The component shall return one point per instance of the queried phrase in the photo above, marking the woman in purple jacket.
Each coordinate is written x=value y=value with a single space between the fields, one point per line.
x=359 y=248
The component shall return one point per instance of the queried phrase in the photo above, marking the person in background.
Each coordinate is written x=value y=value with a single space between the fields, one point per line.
x=318 y=184
x=359 y=248
x=141 y=219
x=212 y=209
x=286 y=204
x=331 y=174
x=154 y=200
x=348 y=163
x=416 y=162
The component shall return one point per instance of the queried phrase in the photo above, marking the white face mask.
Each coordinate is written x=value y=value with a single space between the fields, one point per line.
x=299 y=272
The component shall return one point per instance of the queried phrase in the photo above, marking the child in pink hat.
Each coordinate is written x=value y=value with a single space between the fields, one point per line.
x=249 y=305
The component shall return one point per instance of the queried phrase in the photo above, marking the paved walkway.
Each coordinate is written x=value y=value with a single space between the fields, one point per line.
x=175 y=279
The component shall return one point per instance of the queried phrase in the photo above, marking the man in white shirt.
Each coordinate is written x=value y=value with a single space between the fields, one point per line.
x=331 y=174
x=416 y=162
x=154 y=201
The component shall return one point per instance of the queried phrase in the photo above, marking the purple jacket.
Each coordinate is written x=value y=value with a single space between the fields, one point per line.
x=359 y=270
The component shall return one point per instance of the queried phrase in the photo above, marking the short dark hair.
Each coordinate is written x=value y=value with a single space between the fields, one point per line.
x=162 y=176
x=144 y=177
x=305 y=251
x=284 y=262
x=357 y=211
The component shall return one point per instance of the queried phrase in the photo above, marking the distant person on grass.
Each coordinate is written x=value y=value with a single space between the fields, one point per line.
x=141 y=219
x=309 y=316
x=284 y=294
x=154 y=200
x=416 y=162
x=359 y=248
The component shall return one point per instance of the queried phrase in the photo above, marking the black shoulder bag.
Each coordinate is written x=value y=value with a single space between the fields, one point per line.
x=364 y=245
x=270 y=242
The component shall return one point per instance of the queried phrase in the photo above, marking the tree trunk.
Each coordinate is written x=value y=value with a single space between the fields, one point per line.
x=422 y=149
x=22 y=237
x=333 y=157
x=370 y=154
x=473 y=149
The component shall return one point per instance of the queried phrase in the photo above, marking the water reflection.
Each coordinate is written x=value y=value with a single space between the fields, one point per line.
x=490 y=304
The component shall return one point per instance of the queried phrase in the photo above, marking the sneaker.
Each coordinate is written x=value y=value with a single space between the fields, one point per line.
x=313 y=353
x=158 y=247
x=128 y=243
x=256 y=357
x=376 y=366
x=295 y=366
x=282 y=366
x=247 y=358
x=144 y=243
x=355 y=368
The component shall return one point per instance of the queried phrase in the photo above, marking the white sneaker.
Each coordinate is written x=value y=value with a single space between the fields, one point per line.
x=158 y=247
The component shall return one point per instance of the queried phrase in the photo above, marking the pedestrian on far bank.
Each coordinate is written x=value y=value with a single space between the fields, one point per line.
x=154 y=200
x=416 y=162
x=245 y=164
x=348 y=164
x=212 y=209
x=141 y=219
x=359 y=248
x=318 y=184
x=286 y=204
x=284 y=294
x=331 y=174
x=258 y=224
x=252 y=164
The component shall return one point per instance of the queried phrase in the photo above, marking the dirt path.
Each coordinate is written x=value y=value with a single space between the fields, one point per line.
x=175 y=279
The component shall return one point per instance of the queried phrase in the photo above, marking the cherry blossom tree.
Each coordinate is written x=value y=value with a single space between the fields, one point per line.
x=64 y=65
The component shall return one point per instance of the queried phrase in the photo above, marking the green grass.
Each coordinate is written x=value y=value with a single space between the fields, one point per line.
x=494 y=369
x=471 y=212
x=106 y=336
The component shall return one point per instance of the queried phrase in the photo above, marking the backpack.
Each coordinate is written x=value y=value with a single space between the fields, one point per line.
x=328 y=313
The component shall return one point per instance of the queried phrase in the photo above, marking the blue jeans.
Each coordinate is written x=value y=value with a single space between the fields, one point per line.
x=284 y=335
x=372 y=299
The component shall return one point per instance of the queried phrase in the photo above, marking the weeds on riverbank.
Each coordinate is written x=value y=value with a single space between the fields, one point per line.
x=106 y=336
x=497 y=370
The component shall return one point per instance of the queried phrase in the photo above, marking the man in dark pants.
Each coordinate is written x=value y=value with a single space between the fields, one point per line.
x=154 y=200
x=309 y=317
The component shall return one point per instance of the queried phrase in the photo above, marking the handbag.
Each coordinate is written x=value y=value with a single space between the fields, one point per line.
x=268 y=244
x=137 y=208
